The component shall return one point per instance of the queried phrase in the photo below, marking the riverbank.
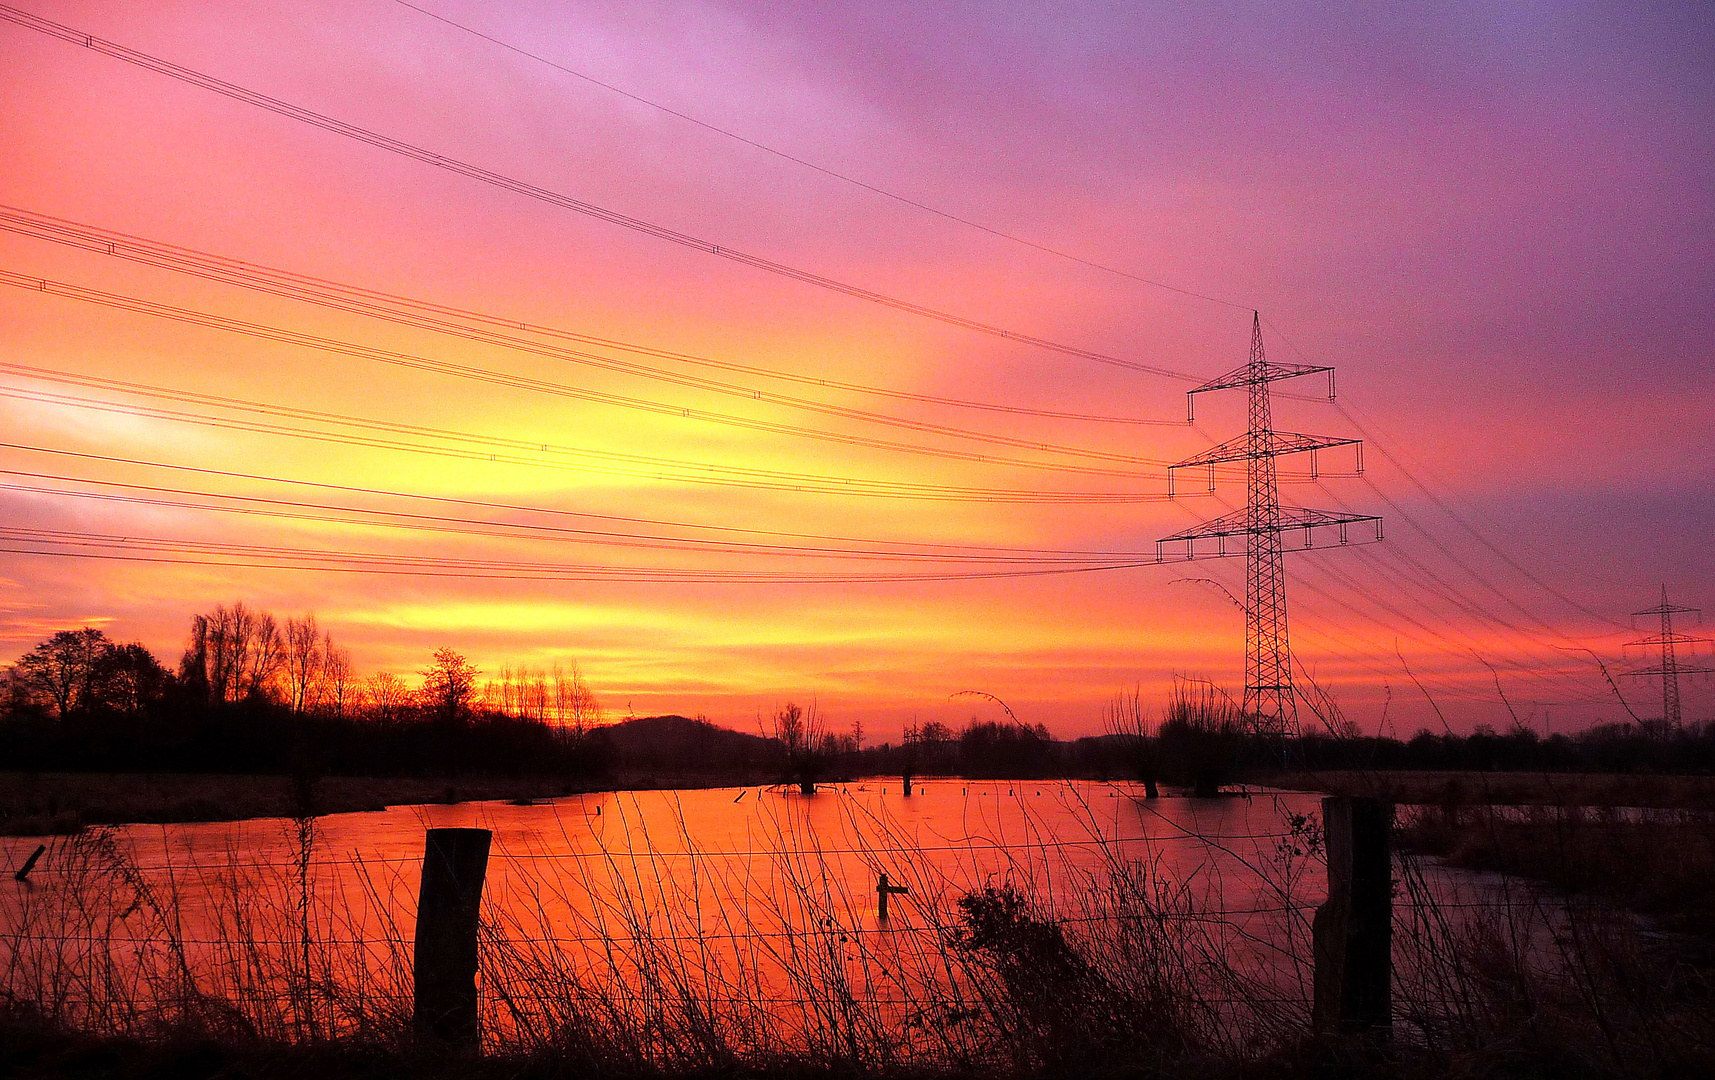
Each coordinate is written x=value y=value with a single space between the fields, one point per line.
x=1643 y=843
x=1661 y=865
x=1436 y=788
x=58 y=803
x=41 y=804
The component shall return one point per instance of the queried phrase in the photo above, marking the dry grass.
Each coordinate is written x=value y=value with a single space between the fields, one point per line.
x=1506 y=788
x=1660 y=863
x=637 y=963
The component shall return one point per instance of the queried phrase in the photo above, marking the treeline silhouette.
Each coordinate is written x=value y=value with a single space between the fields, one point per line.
x=255 y=694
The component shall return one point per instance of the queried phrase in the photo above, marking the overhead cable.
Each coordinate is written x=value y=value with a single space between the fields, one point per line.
x=554 y=198
x=465 y=371
x=447 y=319
x=823 y=169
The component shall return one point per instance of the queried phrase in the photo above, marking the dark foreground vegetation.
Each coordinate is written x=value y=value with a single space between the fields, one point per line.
x=28 y=1051
x=1658 y=864
x=1593 y=959
x=1113 y=970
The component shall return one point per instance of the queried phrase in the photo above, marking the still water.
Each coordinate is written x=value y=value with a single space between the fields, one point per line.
x=740 y=844
x=758 y=896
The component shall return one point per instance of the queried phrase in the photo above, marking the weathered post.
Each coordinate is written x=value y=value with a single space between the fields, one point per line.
x=455 y=862
x=23 y=873
x=882 y=891
x=1353 y=931
x=907 y=778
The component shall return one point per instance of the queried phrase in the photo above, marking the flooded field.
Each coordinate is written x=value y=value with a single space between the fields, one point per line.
x=744 y=916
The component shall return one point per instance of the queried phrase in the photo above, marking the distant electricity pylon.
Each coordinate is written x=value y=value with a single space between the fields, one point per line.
x=1269 y=699
x=1670 y=668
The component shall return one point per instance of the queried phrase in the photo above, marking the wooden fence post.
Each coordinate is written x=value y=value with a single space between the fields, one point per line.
x=23 y=873
x=1353 y=931
x=455 y=862
x=882 y=891
x=907 y=778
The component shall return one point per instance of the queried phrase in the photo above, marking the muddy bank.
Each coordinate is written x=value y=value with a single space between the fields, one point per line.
x=38 y=804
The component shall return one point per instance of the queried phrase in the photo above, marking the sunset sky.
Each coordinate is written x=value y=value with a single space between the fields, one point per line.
x=1496 y=221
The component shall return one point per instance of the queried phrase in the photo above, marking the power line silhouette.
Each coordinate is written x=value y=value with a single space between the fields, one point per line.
x=1269 y=699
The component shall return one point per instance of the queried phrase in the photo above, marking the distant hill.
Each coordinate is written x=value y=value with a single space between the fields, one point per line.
x=683 y=746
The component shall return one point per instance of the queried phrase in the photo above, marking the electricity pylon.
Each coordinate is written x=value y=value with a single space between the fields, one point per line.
x=1269 y=699
x=1670 y=668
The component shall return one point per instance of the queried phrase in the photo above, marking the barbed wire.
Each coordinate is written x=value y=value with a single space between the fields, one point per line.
x=971 y=845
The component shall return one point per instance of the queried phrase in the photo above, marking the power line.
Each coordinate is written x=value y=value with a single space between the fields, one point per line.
x=541 y=194
x=455 y=321
x=296 y=510
x=1472 y=529
x=112 y=547
x=1446 y=644
x=465 y=371
x=824 y=170
x=439 y=500
x=1347 y=582
x=447 y=319
x=1457 y=518
x=513 y=451
x=1426 y=579
x=1523 y=662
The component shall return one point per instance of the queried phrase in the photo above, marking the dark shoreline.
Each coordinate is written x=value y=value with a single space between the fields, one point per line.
x=57 y=803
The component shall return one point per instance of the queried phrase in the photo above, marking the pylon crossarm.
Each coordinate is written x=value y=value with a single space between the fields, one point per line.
x=1677 y=669
x=1238 y=523
x=1669 y=639
x=1250 y=374
x=1266 y=444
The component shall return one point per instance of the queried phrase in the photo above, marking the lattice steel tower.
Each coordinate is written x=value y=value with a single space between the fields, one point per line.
x=1269 y=699
x=1670 y=669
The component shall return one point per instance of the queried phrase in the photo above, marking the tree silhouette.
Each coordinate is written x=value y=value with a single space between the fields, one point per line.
x=448 y=686
x=68 y=671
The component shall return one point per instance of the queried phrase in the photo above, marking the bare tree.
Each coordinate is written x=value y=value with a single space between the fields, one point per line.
x=336 y=682
x=233 y=653
x=264 y=658
x=388 y=696
x=533 y=695
x=302 y=661
x=575 y=706
x=134 y=678
x=1202 y=736
x=1128 y=721
x=449 y=683
x=206 y=663
x=498 y=691
x=800 y=733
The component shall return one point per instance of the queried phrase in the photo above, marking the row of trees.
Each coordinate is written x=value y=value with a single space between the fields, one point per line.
x=238 y=656
x=253 y=692
x=77 y=672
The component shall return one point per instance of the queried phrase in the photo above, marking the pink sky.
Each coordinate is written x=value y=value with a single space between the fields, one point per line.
x=1495 y=222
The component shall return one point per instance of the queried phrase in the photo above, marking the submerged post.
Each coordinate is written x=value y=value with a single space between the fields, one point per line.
x=882 y=891
x=1353 y=931
x=23 y=873
x=455 y=862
